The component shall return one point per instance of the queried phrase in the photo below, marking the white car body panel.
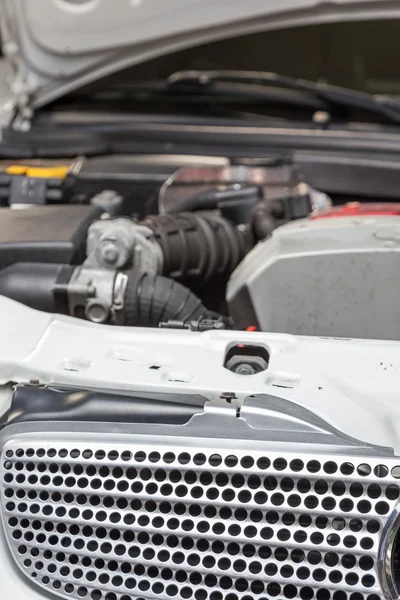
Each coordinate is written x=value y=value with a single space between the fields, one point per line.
x=351 y=384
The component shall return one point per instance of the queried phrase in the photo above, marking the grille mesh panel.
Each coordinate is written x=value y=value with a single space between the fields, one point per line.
x=122 y=523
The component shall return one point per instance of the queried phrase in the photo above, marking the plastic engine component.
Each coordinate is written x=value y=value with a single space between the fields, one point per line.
x=334 y=277
x=49 y=234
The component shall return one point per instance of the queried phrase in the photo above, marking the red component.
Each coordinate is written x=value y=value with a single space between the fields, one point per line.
x=358 y=209
x=251 y=328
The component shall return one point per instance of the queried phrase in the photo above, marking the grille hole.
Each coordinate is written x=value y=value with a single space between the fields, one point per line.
x=304 y=486
x=320 y=486
x=297 y=465
x=263 y=463
x=346 y=505
x=347 y=468
x=356 y=525
x=273 y=589
x=288 y=518
x=396 y=472
x=348 y=561
x=331 y=559
x=313 y=466
x=330 y=467
x=280 y=464
x=392 y=492
x=314 y=557
x=368 y=581
x=364 y=470
x=338 y=488
x=338 y=523
x=374 y=490
x=382 y=508
x=381 y=471
x=297 y=555
x=289 y=591
x=215 y=460
x=305 y=520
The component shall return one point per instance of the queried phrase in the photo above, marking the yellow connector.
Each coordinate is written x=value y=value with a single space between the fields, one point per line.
x=59 y=172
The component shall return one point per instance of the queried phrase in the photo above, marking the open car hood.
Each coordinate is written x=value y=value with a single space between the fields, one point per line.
x=56 y=46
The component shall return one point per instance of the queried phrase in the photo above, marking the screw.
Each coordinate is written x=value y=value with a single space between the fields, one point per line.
x=321 y=117
x=245 y=369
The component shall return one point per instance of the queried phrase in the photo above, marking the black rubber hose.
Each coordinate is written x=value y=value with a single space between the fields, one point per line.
x=150 y=301
x=268 y=216
x=197 y=246
x=39 y=285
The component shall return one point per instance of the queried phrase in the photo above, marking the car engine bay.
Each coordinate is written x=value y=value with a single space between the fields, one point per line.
x=199 y=303
x=163 y=433
x=240 y=244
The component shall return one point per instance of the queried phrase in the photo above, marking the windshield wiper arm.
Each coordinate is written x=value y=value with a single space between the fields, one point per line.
x=377 y=104
x=221 y=93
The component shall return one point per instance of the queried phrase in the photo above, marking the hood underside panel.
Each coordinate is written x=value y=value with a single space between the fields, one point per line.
x=59 y=45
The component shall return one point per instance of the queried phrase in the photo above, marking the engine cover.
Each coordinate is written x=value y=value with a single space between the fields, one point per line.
x=325 y=277
x=45 y=234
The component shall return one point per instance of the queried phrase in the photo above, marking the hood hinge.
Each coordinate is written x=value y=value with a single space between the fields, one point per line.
x=20 y=101
x=23 y=114
x=16 y=110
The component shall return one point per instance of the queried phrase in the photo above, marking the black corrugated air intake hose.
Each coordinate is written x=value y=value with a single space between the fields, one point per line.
x=197 y=246
x=151 y=300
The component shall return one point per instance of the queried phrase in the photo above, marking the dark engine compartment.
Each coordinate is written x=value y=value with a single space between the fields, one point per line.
x=157 y=242
x=159 y=226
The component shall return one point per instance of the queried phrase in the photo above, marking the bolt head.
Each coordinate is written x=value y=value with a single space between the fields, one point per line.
x=245 y=369
x=246 y=365
x=110 y=253
x=97 y=312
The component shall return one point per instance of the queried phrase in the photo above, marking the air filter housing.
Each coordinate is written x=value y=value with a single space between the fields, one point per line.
x=332 y=277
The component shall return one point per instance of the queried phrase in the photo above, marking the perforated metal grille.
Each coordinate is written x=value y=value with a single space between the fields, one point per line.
x=138 y=522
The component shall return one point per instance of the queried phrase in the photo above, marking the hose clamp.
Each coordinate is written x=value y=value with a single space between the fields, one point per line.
x=117 y=309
